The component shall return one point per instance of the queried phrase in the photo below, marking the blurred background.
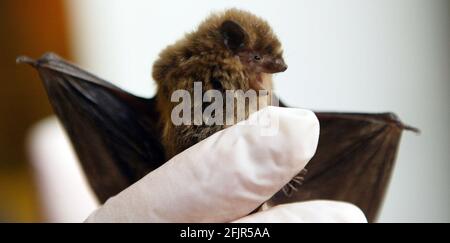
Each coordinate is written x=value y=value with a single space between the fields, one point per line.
x=348 y=55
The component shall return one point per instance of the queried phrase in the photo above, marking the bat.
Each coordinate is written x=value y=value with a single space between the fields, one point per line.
x=231 y=50
x=117 y=138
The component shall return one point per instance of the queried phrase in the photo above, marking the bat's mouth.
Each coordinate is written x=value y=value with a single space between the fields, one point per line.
x=275 y=66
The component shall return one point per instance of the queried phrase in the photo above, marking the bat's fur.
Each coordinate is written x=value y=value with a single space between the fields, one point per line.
x=203 y=55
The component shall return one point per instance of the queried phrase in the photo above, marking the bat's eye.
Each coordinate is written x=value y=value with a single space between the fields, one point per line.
x=257 y=58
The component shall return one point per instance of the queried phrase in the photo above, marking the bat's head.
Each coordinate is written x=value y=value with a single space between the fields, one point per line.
x=250 y=39
x=247 y=36
x=234 y=40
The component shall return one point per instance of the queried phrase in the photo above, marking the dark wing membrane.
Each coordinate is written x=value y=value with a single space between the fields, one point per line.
x=354 y=161
x=115 y=134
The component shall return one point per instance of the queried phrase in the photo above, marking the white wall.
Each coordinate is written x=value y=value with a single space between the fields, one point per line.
x=350 y=55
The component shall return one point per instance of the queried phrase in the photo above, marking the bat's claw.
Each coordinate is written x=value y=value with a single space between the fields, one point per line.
x=25 y=59
x=296 y=182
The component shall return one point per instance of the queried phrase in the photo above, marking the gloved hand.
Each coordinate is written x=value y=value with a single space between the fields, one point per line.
x=230 y=174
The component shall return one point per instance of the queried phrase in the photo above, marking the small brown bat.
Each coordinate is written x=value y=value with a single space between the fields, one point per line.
x=232 y=50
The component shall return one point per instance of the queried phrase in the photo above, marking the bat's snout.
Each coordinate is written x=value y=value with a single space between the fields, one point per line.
x=281 y=65
x=276 y=66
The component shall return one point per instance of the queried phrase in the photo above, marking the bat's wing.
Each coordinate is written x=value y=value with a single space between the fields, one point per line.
x=354 y=160
x=115 y=134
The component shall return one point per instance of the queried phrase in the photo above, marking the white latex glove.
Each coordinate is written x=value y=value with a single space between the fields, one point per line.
x=228 y=175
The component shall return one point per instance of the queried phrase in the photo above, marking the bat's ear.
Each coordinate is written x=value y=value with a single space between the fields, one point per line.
x=233 y=34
